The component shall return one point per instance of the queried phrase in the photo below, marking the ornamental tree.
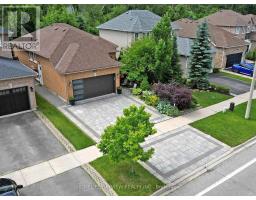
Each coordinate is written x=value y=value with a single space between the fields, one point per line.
x=137 y=60
x=201 y=60
x=166 y=66
x=122 y=140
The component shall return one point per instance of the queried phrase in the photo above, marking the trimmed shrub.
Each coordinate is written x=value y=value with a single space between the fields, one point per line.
x=147 y=93
x=164 y=107
x=136 y=91
x=177 y=95
x=220 y=88
x=152 y=100
x=216 y=70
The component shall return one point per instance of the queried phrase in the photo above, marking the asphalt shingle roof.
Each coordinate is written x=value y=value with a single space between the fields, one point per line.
x=72 y=50
x=13 y=69
x=221 y=38
x=136 y=21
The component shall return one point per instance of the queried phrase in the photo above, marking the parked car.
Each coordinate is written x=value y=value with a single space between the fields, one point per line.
x=243 y=68
x=9 y=187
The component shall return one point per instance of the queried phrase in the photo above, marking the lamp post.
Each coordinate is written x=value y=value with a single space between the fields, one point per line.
x=249 y=104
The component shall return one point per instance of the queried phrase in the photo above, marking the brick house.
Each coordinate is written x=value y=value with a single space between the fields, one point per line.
x=73 y=63
x=226 y=48
x=17 y=87
x=242 y=26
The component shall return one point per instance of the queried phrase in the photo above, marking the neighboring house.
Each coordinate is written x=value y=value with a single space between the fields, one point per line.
x=226 y=50
x=17 y=88
x=243 y=26
x=4 y=37
x=127 y=27
x=73 y=63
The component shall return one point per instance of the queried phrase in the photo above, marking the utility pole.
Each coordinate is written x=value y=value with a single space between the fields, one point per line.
x=249 y=104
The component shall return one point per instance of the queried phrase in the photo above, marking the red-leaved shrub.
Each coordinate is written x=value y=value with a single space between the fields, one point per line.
x=178 y=95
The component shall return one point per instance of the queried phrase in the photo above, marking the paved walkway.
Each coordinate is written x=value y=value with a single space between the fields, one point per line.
x=53 y=99
x=189 y=118
x=53 y=167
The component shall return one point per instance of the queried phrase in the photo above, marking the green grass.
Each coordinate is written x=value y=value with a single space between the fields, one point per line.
x=119 y=177
x=230 y=127
x=69 y=130
x=244 y=79
x=205 y=98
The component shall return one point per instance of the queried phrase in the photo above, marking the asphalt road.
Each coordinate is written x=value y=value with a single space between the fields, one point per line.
x=236 y=86
x=75 y=182
x=234 y=177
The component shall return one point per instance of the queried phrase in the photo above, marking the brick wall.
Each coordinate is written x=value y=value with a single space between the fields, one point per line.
x=61 y=84
x=220 y=58
x=81 y=75
x=21 y=82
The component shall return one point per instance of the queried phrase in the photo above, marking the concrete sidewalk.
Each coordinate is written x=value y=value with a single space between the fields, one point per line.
x=189 y=118
x=53 y=167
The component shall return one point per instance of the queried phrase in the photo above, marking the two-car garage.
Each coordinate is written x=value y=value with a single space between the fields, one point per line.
x=93 y=86
x=17 y=89
x=233 y=59
x=14 y=100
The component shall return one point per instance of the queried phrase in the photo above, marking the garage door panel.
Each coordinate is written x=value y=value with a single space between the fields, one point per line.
x=14 y=100
x=233 y=59
x=93 y=87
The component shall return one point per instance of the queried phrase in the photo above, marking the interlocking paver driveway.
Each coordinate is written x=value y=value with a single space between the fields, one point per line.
x=97 y=115
x=180 y=152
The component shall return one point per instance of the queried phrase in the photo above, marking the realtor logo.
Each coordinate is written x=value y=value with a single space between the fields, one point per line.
x=21 y=23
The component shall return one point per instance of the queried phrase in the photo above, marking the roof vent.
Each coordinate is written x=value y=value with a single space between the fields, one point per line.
x=63 y=30
x=56 y=28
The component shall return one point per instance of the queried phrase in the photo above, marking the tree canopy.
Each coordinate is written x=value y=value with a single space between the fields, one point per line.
x=122 y=141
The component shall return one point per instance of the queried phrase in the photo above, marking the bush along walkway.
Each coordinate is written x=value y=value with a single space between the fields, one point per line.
x=189 y=118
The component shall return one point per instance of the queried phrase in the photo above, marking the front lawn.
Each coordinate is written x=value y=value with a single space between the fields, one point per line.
x=230 y=127
x=205 y=98
x=237 y=77
x=118 y=176
x=70 y=131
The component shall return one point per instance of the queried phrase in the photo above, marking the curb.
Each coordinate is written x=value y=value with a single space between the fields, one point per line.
x=99 y=180
x=171 y=187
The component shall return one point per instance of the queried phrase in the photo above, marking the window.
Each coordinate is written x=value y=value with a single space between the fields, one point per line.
x=237 y=31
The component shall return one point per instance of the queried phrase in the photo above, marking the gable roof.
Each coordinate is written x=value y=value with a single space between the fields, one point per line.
x=219 y=37
x=136 y=21
x=226 y=18
x=10 y=69
x=72 y=50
